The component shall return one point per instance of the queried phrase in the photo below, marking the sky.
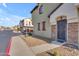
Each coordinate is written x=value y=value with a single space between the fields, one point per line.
x=12 y=13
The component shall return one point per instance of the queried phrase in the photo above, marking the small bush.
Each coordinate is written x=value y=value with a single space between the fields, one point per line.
x=55 y=53
x=30 y=34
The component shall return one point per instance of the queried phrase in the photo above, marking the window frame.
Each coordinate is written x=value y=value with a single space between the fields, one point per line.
x=44 y=26
x=41 y=9
x=38 y=26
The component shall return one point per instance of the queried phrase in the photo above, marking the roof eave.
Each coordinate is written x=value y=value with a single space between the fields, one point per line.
x=55 y=10
x=34 y=8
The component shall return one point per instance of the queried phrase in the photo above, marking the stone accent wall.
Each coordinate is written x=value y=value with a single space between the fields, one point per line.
x=53 y=28
x=73 y=32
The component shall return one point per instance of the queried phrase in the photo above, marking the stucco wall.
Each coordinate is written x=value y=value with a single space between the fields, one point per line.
x=69 y=10
x=54 y=35
x=39 y=18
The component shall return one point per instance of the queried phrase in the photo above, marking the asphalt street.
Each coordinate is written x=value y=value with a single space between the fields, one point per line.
x=5 y=37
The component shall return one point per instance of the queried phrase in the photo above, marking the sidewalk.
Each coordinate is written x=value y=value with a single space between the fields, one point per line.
x=19 y=48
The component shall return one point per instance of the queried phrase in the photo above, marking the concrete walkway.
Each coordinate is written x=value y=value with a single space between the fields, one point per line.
x=45 y=47
x=19 y=48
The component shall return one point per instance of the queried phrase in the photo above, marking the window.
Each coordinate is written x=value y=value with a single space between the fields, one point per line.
x=29 y=23
x=41 y=9
x=38 y=26
x=26 y=24
x=43 y=26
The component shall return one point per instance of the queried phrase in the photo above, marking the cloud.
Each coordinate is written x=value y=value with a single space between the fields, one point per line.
x=8 y=19
x=4 y=4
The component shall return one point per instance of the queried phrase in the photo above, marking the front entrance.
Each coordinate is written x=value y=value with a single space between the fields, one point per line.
x=61 y=30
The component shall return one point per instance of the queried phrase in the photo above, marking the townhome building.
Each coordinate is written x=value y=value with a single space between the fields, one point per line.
x=41 y=21
x=57 y=21
x=26 y=24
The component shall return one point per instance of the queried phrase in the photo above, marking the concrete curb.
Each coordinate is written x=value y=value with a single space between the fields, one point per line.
x=8 y=48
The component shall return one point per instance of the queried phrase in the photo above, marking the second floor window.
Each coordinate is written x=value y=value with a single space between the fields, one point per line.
x=29 y=23
x=41 y=9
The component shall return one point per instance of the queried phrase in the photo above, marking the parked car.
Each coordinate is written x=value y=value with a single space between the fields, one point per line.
x=30 y=32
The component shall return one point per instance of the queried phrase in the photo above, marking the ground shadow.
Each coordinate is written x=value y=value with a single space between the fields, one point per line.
x=43 y=38
x=71 y=46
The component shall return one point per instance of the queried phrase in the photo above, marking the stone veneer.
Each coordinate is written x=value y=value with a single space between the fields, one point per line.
x=53 y=28
x=73 y=33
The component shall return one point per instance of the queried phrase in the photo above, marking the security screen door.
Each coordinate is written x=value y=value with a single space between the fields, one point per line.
x=61 y=30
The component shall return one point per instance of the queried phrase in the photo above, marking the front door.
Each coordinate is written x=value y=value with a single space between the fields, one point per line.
x=61 y=30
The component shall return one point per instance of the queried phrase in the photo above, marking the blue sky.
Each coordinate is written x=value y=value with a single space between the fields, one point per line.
x=12 y=13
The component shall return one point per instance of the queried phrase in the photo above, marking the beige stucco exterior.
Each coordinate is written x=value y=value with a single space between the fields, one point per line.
x=70 y=11
x=39 y=18
x=66 y=9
